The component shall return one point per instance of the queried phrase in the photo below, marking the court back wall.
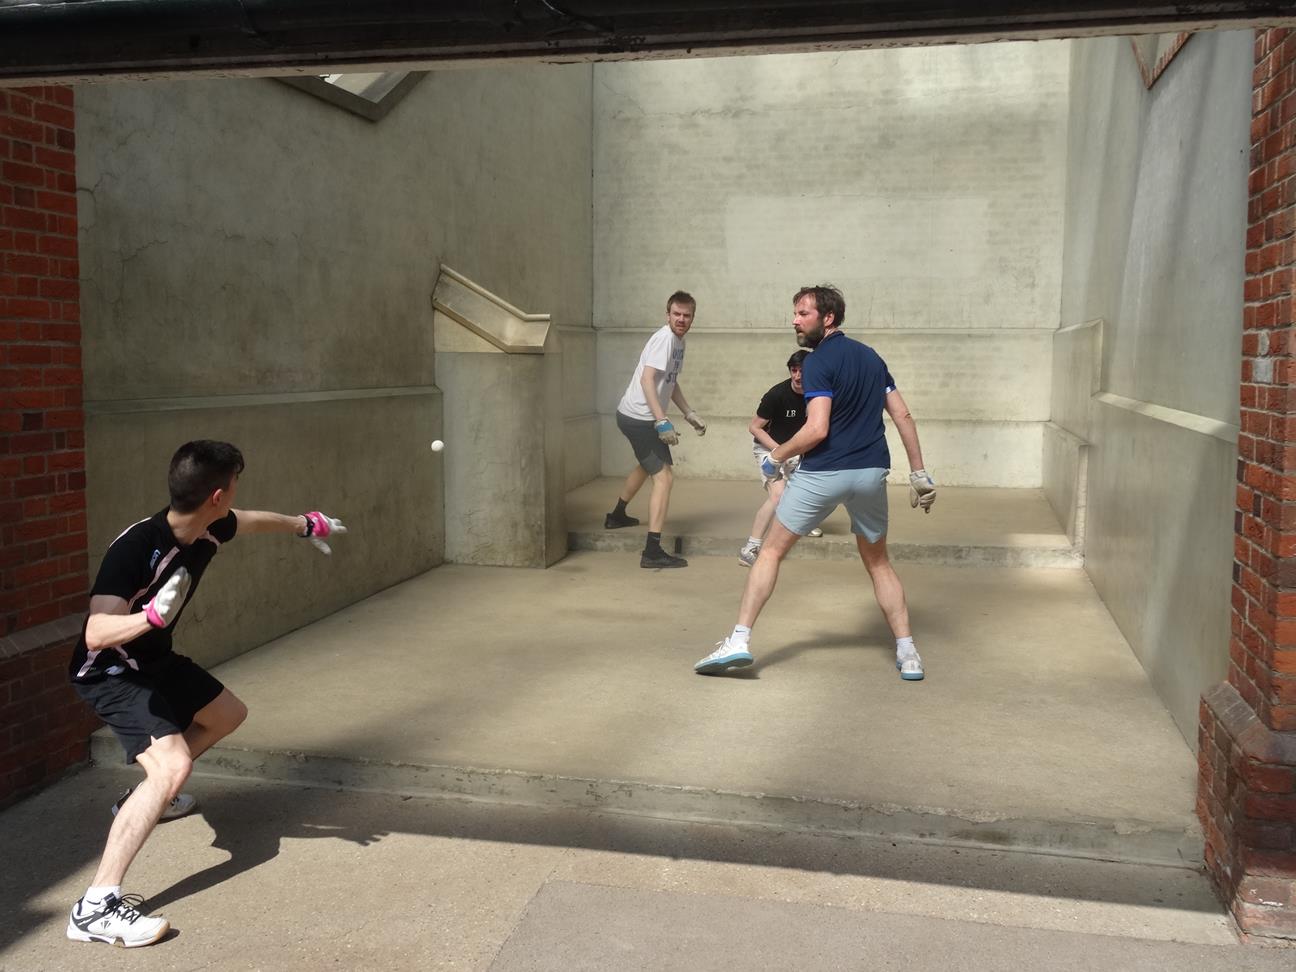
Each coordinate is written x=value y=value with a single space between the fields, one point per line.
x=927 y=183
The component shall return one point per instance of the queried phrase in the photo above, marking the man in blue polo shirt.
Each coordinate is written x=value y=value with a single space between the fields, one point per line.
x=845 y=461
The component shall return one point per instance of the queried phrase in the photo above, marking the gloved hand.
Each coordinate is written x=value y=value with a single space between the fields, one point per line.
x=695 y=420
x=170 y=598
x=922 y=491
x=666 y=432
x=319 y=526
x=771 y=467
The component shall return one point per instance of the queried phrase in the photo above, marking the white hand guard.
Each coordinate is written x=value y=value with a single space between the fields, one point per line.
x=170 y=598
x=922 y=491
x=695 y=420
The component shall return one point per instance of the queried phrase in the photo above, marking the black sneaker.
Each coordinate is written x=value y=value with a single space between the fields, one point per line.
x=614 y=521
x=660 y=558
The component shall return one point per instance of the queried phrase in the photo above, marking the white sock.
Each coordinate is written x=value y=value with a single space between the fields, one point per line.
x=905 y=646
x=741 y=636
x=96 y=896
x=753 y=543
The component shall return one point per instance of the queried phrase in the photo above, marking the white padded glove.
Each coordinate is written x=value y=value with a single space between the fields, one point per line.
x=695 y=420
x=922 y=491
x=319 y=526
x=170 y=598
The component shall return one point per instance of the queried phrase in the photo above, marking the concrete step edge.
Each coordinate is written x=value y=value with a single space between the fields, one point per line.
x=838 y=548
x=1125 y=841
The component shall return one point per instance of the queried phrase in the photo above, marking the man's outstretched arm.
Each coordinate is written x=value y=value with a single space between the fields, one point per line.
x=314 y=526
x=261 y=521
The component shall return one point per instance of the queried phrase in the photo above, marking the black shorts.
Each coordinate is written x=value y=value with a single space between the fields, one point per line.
x=651 y=452
x=142 y=707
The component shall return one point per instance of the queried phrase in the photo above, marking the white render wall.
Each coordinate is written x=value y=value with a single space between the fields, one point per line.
x=1154 y=244
x=926 y=183
x=258 y=266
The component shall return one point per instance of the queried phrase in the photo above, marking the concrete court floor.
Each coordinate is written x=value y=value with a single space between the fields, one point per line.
x=1036 y=727
x=1034 y=710
x=274 y=877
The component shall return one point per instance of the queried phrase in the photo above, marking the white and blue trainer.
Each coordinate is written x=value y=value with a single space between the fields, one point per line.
x=724 y=657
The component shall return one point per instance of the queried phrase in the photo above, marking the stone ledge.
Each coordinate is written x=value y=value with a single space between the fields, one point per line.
x=41 y=636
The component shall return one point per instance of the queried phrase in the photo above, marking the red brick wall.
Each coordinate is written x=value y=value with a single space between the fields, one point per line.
x=44 y=727
x=1247 y=732
x=42 y=436
x=1263 y=650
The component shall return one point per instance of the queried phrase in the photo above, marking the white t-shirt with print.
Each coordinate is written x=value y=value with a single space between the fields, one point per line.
x=665 y=352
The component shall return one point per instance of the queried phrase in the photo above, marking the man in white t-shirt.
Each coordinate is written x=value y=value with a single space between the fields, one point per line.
x=641 y=417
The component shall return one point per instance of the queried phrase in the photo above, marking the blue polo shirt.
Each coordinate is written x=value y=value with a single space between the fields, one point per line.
x=855 y=377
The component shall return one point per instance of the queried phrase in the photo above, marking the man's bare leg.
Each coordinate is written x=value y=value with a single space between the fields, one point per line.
x=618 y=517
x=166 y=764
x=764 y=573
x=886 y=584
x=659 y=502
x=213 y=722
x=633 y=483
x=733 y=651
x=760 y=525
x=891 y=599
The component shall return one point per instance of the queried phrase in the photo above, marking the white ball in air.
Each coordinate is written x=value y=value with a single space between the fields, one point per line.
x=437 y=445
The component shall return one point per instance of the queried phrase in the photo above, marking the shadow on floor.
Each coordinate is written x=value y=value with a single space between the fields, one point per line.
x=251 y=821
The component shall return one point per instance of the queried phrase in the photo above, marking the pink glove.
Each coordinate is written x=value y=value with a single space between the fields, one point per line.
x=319 y=526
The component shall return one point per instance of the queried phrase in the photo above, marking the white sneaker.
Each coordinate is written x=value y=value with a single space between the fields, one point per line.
x=180 y=805
x=725 y=656
x=910 y=665
x=816 y=532
x=116 y=921
x=747 y=555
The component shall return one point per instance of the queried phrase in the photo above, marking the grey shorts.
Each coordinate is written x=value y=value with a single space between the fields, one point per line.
x=649 y=451
x=811 y=496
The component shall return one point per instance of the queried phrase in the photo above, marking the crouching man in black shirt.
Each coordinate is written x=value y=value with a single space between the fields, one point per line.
x=165 y=709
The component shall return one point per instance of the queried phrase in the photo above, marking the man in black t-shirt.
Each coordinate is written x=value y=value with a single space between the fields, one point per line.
x=780 y=415
x=165 y=709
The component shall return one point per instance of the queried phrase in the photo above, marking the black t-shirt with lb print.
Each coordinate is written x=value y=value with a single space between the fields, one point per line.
x=784 y=410
x=135 y=567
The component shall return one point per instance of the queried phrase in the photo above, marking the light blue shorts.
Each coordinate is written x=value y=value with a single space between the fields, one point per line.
x=811 y=496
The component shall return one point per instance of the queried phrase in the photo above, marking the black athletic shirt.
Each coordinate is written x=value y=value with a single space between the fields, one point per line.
x=136 y=565
x=784 y=410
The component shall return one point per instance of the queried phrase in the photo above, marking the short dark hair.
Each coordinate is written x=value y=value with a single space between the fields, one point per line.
x=828 y=300
x=797 y=358
x=198 y=469
x=683 y=298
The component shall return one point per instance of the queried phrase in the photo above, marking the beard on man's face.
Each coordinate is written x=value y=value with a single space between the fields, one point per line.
x=810 y=338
